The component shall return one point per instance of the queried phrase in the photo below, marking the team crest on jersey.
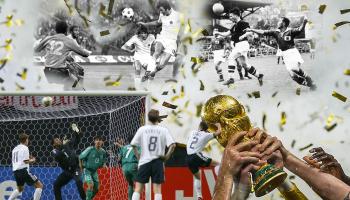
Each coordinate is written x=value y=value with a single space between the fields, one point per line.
x=287 y=38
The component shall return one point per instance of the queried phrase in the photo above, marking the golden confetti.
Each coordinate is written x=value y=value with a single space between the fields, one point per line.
x=1 y=80
x=169 y=105
x=336 y=25
x=293 y=143
x=182 y=92
x=331 y=127
x=110 y=7
x=102 y=10
x=256 y=94
x=23 y=75
x=306 y=147
x=304 y=8
x=199 y=109
x=264 y=121
x=344 y=11
x=187 y=104
x=201 y=85
x=19 y=87
x=274 y=94
x=113 y=83
x=297 y=92
x=322 y=8
x=283 y=120
x=19 y=22
x=197 y=60
x=131 y=89
x=3 y=62
x=339 y=96
x=104 y=33
x=155 y=100
x=174 y=98
x=347 y=72
x=165 y=93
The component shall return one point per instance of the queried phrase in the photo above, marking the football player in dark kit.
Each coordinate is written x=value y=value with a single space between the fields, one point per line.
x=65 y=155
x=292 y=59
x=240 y=48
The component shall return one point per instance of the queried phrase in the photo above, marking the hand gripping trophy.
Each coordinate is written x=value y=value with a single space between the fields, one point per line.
x=227 y=111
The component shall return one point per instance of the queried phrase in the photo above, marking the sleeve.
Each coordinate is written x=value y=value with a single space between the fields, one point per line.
x=208 y=136
x=160 y=18
x=75 y=140
x=85 y=153
x=270 y=33
x=300 y=29
x=58 y=155
x=130 y=42
x=39 y=46
x=74 y=46
x=26 y=154
x=169 y=138
x=136 y=140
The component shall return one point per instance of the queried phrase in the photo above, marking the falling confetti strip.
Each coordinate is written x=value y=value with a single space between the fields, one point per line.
x=170 y=80
x=201 y=88
x=104 y=33
x=322 y=8
x=1 y=80
x=165 y=93
x=110 y=7
x=102 y=10
x=347 y=72
x=274 y=94
x=331 y=127
x=19 y=87
x=199 y=109
x=344 y=11
x=113 y=83
x=336 y=25
x=264 y=121
x=293 y=143
x=339 y=96
x=169 y=105
x=23 y=75
x=298 y=91
x=283 y=120
x=131 y=89
x=306 y=147
x=155 y=100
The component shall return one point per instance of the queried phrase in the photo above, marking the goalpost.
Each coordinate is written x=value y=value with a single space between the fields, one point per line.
x=114 y=116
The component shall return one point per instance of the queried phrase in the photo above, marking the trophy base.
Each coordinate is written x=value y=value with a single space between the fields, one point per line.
x=267 y=178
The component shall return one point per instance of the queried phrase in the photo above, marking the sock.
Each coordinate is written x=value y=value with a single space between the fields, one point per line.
x=253 y=71
x=130 y=191
x=198 y=187
x=89 y=194
x=158 y=197
x=299 y=76
x=37 y=193
x=231 y=71
x=135 y=196
x=14 y=194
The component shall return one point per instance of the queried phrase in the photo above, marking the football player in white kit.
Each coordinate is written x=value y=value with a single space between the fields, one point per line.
x=166 y=42
x=141 y=44
x=20 y=167
x=195 y=159
x=152 y=139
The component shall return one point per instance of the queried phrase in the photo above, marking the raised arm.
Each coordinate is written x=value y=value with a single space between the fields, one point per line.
x=301 y=28
x=152 y=23
x=223 y=34
x=76 y=136
x=257 y=31
x=325 y=185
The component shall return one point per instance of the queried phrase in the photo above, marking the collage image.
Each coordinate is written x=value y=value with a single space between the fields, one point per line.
x=174 y=99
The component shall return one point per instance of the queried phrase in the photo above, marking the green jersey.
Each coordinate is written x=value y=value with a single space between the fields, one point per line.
x=127 y=155
x=93 y=158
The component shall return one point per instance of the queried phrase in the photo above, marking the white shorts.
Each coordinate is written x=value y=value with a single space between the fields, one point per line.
x=147 y=61
x=219 y=56
x=292 y=58
x=170 y=45
x=279 y=52
x=240 y=49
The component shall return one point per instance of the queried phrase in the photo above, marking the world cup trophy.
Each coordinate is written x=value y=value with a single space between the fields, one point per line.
x=233 y=119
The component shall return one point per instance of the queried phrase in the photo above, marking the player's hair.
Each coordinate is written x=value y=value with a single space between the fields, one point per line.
x=98 y=137
x=163 y=3
x=53 y=140
x=153 y=116
x=130 y=138
x=236 y=11
x=61 y=27
x=142 y=29
x=286 y=21
x=203 y=126
x=23 y=137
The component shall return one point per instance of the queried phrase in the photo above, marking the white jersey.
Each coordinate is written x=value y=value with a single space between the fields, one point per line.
x=170 y=25
x=19 y=154
x=153 y=140
x=197 y=141
x=142 y=47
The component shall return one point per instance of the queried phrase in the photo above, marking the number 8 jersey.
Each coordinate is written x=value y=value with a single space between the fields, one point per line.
x=152 y=139
x=197 y=141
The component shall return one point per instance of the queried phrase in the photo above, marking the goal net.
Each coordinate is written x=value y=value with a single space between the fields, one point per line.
x=112 y=117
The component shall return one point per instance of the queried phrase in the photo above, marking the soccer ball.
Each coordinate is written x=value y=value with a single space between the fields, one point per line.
x=46 y=101
x=218 y=8
x=128 y=13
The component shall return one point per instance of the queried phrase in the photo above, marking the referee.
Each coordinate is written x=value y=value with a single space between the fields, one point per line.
x=65 y=156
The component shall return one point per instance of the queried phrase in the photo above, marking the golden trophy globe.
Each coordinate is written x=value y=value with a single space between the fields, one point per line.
x=232 y=117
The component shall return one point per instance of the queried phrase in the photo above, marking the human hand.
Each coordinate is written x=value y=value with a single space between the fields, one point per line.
x=75 y=128
x=326 y=163
x=238 y=154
